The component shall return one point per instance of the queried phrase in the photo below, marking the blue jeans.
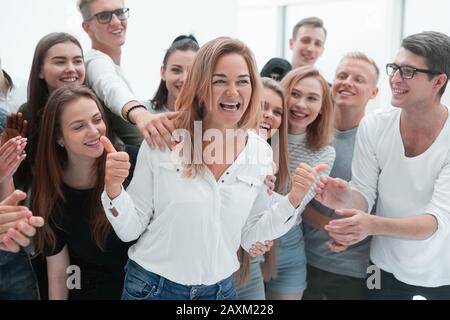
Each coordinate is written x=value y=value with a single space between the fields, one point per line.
x=253 y=289
x=393 y=289
x=291 y=264
x=17 y=279
x=141 y=284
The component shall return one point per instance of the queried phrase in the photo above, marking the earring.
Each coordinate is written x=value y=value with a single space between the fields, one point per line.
x=61 y=145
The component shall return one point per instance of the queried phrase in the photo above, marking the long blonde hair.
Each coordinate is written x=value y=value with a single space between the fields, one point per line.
x=196 y=94
x=282 y=156
x=243 y=274
x=318 y=135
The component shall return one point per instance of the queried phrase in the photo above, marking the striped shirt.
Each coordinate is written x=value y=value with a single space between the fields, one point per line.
x=300 y=153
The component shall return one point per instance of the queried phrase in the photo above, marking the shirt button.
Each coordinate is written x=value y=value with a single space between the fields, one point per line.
x=223 y=181
x=178 y=170
x=228 y=173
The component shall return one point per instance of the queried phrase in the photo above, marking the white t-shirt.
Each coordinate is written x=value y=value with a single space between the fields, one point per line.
x=108 y=81
x=406 y=187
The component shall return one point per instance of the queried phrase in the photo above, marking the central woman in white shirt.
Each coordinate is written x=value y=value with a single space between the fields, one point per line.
x=192 y=208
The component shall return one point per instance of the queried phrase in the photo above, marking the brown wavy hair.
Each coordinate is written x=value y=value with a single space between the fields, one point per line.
x=243 y=274
x=51 y=161
x=196 y=93
x=282 y=156
x=318 y=135
x=38 y=94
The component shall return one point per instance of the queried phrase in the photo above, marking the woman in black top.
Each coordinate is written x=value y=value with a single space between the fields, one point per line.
x=85 y=259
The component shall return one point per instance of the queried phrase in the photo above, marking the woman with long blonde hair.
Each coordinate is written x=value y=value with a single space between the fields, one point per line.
x=310 y=117
x=273 y=127
x=194 y=207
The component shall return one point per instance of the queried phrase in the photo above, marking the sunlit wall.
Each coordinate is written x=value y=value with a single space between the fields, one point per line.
x=152 y=27
x=375 y=27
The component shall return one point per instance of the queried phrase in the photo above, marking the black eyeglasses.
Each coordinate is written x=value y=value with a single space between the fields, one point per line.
x=407 y=72
x=105 y=17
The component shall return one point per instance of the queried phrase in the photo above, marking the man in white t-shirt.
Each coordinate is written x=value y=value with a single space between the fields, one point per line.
x=105 y=21
x=403 y=154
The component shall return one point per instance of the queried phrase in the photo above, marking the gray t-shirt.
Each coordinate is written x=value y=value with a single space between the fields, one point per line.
x=354 y=261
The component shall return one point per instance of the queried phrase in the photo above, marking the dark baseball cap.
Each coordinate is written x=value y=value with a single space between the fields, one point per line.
x=276 y=68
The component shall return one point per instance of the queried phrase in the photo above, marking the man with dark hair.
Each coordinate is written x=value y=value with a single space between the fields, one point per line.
x=307 y=42
x=402 y=155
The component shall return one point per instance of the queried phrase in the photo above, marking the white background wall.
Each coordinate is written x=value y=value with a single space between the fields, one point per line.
x=375 y=27
x=372 y=26
x=152 y=27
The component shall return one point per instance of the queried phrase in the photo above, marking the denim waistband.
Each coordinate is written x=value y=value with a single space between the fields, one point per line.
x=177 y=288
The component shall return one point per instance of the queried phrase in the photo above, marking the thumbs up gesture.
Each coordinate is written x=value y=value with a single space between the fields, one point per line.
x=116 y=169
x=302 y=181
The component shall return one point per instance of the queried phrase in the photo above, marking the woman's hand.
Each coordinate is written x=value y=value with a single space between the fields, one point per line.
x=15 y=126
x=11 y=156
x=116 y=169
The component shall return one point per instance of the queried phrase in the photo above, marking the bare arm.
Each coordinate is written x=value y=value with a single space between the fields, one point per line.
x=157 y=129
x=57 y=275
x=315 y=218
x=6 y=188
x=358 y=225
x=359 y=202
x=419 y=227
x=336 y=193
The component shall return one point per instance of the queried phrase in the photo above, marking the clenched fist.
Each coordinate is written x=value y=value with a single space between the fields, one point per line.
x=302 y=181
x=116 y=169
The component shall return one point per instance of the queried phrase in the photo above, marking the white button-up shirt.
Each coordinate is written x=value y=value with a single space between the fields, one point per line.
x=191 y=228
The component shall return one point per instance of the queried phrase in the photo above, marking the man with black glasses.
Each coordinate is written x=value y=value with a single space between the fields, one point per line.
x=105 y=21
x=403 y=155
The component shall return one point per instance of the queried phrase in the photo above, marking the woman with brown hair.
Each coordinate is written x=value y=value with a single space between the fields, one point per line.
x=68 y=182
x=192 y=208
x=58 y=61
x=310 y=117
x=176 y=63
